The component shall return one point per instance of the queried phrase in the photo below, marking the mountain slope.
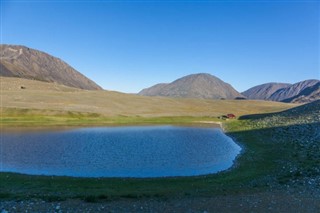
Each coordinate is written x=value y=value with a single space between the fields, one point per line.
x=152 y=90
x=294 y=90
x=24 y=62
x=307 y=95
x=263 y=91
x=200 y=85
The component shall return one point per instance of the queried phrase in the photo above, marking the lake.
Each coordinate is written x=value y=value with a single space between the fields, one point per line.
x=139 y=151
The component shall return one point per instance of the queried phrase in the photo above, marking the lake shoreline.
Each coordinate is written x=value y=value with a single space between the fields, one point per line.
x=145 y=137
x=257 y=171
x=9 y=129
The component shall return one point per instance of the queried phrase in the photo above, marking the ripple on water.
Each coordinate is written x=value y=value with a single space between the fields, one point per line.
x=148 y=151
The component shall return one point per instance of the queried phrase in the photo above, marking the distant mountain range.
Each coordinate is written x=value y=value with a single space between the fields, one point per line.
x=200 y=85
x=301 y=92
x=307 y=95
x=207 y=86
x=24 y=62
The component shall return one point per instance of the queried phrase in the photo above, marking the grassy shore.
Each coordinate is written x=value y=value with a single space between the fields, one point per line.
x=24 y=118
x=48 y=188
x=261 y=166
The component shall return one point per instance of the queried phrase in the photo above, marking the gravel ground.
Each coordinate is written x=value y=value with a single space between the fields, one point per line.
x=276 y=201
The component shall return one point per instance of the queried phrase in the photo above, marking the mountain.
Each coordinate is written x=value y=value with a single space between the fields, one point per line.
x=24 y=62
x=294 y=91
x=307 y=95
x=301 y=92
x=200 y=85
x=263 y=91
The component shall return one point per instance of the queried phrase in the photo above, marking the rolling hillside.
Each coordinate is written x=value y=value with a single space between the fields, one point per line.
x=24 y=62
x=39 y=95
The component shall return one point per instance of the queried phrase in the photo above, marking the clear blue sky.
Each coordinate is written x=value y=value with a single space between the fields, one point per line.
x=129 y=45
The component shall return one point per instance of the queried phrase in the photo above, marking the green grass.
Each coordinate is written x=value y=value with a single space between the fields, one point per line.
x=42 y=118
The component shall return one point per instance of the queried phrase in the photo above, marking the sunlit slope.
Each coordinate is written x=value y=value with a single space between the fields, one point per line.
x=27 y=63
x=48 y=96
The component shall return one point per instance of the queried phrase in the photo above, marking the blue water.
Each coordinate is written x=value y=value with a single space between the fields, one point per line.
x=153 y=151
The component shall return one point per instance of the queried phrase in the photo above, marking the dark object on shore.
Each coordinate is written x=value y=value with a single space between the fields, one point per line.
x=240 y=98
x=231 y=116
x=23 y=87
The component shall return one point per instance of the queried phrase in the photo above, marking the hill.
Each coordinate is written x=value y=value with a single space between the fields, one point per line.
x=310 y=112
x=202 y=85
x=305 y=114
x=24 y=62
x=263 y=91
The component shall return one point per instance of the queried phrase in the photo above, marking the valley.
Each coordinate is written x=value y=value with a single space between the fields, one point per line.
x=280 y=142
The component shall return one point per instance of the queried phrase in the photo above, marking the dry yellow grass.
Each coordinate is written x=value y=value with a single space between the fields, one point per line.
x=48 y=96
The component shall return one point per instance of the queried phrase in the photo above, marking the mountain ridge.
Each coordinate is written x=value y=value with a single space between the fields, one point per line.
x=264 y=91
x=301 y=92
x=293 y=90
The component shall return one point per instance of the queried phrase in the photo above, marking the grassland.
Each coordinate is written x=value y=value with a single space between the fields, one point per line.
x=40 y=98
x=263 y=166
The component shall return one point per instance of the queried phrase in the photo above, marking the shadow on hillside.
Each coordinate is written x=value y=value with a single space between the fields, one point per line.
x=309 y=109
x=302 y=126
x=257 y=116
x=293 y=148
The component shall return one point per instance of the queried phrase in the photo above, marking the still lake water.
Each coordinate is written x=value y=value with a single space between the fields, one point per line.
x=152 y=151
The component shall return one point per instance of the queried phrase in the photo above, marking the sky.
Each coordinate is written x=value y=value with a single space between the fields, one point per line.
x=130 y=45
